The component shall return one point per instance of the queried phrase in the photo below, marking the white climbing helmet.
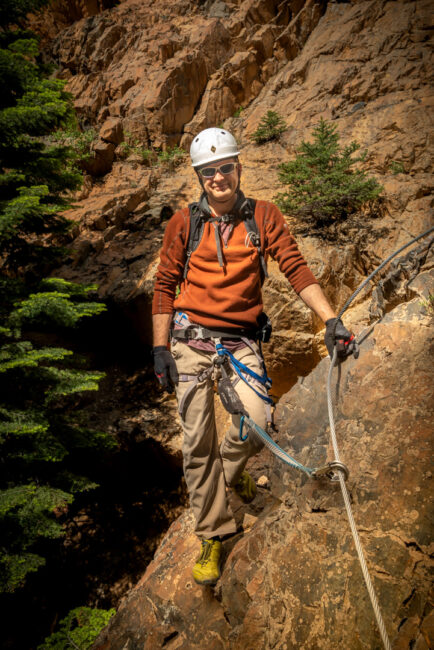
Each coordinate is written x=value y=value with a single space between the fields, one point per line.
x=212 y=144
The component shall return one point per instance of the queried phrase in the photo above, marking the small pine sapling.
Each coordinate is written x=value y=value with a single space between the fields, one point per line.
x=270 y=127
x=324 y=188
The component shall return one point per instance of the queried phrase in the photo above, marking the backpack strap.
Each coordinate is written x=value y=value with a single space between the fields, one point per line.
x=197 y=225
x=199 y=214
x=251 y=226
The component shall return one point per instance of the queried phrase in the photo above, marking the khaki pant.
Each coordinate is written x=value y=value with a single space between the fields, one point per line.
x=208 y=467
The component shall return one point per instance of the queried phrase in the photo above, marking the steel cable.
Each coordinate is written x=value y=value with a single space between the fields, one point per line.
x=383 y=263
x=357 y=542
x=365 y=571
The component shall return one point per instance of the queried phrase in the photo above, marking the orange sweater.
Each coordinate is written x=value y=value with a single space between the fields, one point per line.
x=230 y=296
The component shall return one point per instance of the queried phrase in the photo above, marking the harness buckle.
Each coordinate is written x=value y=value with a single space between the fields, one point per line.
x=196 y=333
x=331 y=471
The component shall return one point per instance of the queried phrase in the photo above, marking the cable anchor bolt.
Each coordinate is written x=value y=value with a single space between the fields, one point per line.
x=331 y=471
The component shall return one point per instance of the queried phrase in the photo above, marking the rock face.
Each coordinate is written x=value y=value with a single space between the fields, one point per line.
x=153 y=63
x=62 y=13
x=291 y=577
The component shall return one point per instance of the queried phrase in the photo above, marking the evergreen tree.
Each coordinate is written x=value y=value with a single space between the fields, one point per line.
x=324 y=188
x=270 y=127
x=42 y=444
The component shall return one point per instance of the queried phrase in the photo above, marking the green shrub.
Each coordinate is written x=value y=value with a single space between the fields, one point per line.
x=324 y=188
x=132 y=146
x=428 y=304
x=238 y=111
x=79 y=142
x=396 y=167
x=79 y=629
x=147 y=155
x=270 y=127
x=171 y=155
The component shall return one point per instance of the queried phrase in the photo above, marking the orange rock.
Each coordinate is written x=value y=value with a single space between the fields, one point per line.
x=112 y=131
x=101 y=160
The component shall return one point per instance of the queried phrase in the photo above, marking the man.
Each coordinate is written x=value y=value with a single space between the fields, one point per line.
x=208 y=299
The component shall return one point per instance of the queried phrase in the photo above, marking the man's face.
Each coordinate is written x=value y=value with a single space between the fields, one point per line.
x=222 y=186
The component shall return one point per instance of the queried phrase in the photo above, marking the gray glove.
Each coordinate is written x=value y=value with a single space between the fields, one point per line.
x=165 y=368
x=345 y=341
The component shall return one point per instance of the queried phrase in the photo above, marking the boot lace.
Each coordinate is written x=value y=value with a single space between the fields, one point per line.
x=205 y=553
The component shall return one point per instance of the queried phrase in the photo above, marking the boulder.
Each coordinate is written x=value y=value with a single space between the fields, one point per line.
x=101 y=159
x=112 y=131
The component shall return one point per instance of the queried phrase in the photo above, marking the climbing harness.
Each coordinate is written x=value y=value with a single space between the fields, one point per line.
x=242 y=370
x=192 y=332
x=225 y=386
x=200 y=333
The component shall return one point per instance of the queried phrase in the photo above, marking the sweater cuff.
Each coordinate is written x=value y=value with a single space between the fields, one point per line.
x=305 y=284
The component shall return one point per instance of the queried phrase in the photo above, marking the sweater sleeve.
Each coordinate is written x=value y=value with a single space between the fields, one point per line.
x=282 y=247
x=172 y=262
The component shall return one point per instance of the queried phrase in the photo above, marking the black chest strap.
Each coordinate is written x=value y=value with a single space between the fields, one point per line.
x=200 y=214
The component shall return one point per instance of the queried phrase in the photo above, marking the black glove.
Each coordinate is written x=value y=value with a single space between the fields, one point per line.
x=165 y=367
x=345 y=341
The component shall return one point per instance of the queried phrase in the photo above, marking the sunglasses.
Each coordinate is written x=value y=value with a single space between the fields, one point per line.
x=209 y=172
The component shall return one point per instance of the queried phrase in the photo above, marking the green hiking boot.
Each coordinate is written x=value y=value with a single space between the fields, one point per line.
x=206 y=571
x=246 y=487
